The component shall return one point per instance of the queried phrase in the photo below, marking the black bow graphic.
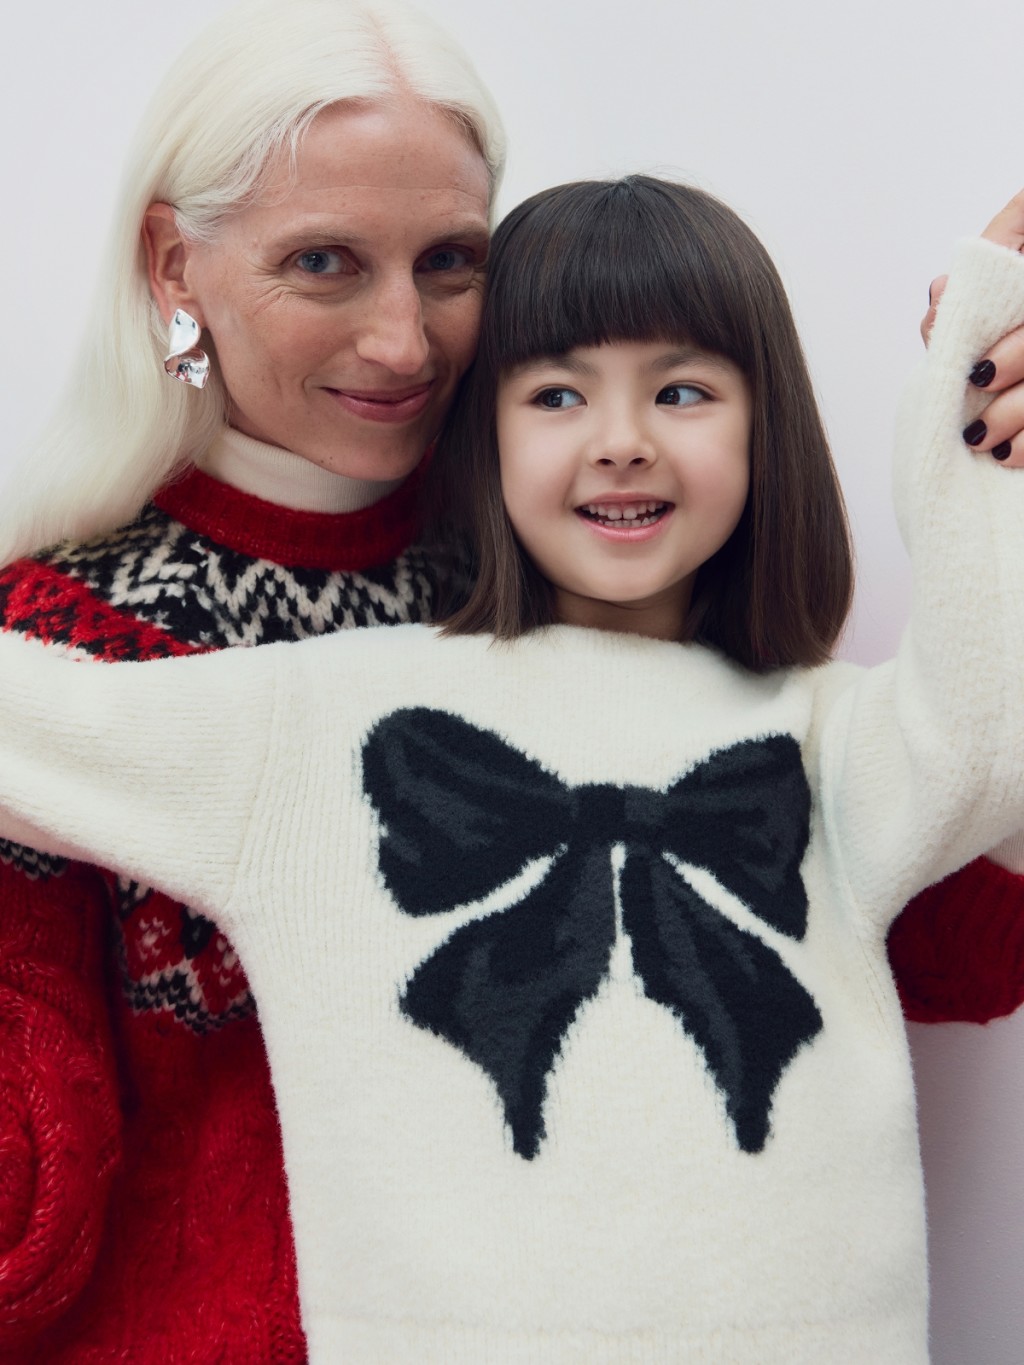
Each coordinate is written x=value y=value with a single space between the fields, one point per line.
x=462 y=813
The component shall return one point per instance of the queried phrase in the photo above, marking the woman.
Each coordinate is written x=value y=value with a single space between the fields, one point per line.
x=143 y=1212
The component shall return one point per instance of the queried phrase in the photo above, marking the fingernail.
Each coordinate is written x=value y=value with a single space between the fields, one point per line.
x=975 y=433
x=982 y=374
x=1002 y=451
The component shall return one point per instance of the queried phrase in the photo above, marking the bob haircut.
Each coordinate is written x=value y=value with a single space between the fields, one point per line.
x=244 y=91
x=642 y=259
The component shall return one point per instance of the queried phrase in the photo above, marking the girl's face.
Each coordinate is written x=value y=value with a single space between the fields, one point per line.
x=624 y=467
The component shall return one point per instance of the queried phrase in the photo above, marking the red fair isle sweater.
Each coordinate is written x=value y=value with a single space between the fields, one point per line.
x=143 y=1205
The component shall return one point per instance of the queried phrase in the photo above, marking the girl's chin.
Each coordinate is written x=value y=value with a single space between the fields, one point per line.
x=658 y=614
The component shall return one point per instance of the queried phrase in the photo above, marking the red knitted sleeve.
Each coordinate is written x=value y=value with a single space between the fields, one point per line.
x=59 y=1110
x=957 y=950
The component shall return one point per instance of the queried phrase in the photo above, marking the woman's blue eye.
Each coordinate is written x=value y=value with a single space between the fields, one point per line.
x=320 y=262
x=558 y=398
x=447 y=258
x=680 y=396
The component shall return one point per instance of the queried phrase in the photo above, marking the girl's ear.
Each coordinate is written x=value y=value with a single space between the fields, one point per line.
x=167 y=254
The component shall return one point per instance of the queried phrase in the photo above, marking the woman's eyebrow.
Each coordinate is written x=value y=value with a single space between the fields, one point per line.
x=319 y=233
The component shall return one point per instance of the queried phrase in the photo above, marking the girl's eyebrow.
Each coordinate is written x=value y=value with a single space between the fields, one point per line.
x=566 y=361
x=668 y=360
x=688 y=355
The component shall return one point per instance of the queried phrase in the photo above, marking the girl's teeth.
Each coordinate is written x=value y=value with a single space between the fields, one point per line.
x=617 y=512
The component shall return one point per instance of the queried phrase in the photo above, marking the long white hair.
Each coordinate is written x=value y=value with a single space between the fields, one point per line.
x=245 y=90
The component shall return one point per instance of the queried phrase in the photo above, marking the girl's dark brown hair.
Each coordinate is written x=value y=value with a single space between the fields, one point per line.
x=642 y=259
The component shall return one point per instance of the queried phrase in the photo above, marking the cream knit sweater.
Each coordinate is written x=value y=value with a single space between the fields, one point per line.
x=570 y=954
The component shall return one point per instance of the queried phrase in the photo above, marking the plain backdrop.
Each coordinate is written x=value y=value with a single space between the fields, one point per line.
x=859 y=141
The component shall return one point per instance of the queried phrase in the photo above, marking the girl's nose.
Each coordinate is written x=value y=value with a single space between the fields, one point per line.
x=391 y=333
x=622 y=443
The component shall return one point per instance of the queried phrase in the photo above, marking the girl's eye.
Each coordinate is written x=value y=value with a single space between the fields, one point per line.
x=558 y=398
x=447 y=258
x=320 y=261
x=680 y=396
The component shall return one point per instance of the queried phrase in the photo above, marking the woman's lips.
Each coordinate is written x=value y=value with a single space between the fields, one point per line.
x=401 y=405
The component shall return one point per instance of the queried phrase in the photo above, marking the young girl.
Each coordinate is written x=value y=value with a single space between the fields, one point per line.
x=569 y=943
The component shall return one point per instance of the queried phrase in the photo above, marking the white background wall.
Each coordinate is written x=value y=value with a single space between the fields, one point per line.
x=858 y=140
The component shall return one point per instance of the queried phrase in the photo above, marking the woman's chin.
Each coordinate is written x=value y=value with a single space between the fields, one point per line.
x=356 y=457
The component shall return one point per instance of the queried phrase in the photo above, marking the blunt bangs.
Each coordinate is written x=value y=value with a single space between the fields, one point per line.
x=634 y=260
x=639 y=259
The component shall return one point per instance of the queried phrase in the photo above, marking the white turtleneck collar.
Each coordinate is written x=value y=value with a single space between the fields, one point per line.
x=286 y=479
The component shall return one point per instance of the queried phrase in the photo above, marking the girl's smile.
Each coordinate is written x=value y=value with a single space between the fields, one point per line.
x=629 y=519
x=624 y=467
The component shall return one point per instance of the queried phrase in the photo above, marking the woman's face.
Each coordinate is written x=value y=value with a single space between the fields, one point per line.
x=344 y=304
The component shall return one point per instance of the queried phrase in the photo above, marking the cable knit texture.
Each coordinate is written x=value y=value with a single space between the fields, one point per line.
x=957 y=951
x=584 y=1048
x=143 y=1204
x=59 y=1111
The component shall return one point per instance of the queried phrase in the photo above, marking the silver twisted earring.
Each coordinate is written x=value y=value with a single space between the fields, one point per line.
x=184 y=359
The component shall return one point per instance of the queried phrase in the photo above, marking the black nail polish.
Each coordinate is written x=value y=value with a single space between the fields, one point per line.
x=982 y=374
x=1002 y=451
x=975 y=433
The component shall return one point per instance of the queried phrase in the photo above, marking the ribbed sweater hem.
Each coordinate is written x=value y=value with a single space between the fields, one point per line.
x=894 y=1340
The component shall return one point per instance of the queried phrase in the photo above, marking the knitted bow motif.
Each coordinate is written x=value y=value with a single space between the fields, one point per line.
x=462 y=813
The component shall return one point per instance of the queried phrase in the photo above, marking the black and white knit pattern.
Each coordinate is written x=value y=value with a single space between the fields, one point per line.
x=174 y=960
x=38 y=867
x=209 y=596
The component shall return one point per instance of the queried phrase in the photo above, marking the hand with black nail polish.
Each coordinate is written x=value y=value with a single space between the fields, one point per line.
x=999 y=431
x=1001 y=371
x=982 y=374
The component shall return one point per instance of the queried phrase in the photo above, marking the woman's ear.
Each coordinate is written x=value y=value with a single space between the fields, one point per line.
x=167 y=256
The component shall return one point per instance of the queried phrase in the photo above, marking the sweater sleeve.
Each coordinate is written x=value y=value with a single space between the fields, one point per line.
x=149 y=770
x=957 y=950
x=922 y=759
x=60 y=1120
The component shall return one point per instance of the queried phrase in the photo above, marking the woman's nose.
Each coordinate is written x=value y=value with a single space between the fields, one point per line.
x=392 y=333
